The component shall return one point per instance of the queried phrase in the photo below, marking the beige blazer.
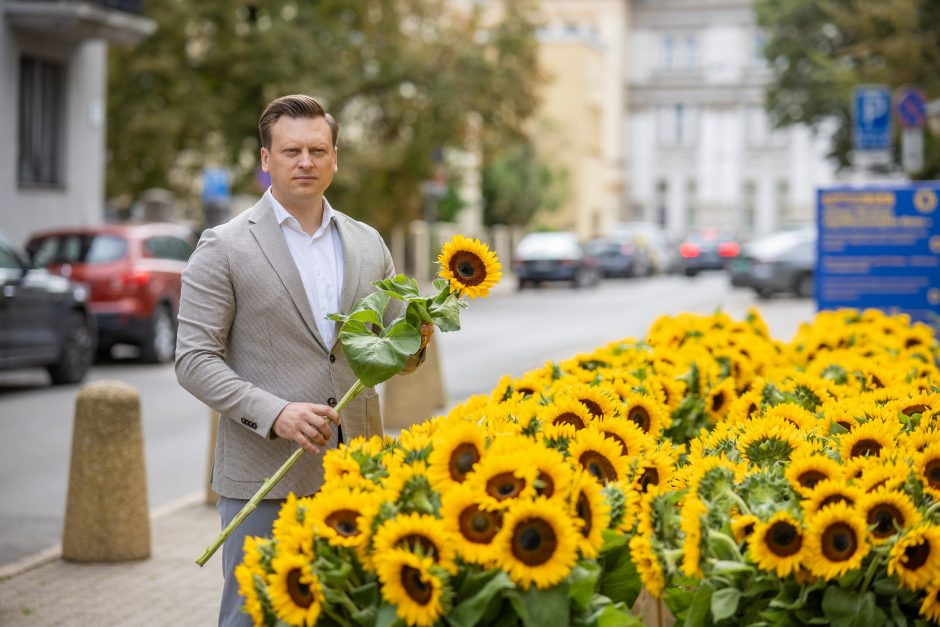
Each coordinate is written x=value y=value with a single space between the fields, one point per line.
x=247 y=345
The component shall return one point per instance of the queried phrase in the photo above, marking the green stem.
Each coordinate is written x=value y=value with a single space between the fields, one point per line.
x=268 y=484
x=336 y=617
x=728 y=541
x=869 y=575
x=931 y=510
x=737 y=500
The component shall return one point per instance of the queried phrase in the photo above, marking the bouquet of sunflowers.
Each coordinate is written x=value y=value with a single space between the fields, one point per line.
x=814 y=500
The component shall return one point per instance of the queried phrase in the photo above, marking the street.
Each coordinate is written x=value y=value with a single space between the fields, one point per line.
x=509 y=333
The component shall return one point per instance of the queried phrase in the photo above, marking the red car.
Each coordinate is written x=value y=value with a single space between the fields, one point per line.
x=134 y=272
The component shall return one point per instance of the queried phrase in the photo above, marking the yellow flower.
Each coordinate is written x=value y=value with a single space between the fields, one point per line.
x=296 y=595
x=888 y=511
x=928 y=469
x=647 y=413
x=647 y=564
x=538 y=543
x=553 y=473
x=499 y=477
x=769 y=440
x=744 y=407
x=409 y=584
x=471 y=527
x=915 y=558
x=249 y=583
x=565 y=410
x=596 y=399
x=805 y=471
x=829 y=492
x=792 y=413
x=422 y=534
x=340 y=467
x=343 y=515
x=836 y=541
x=590 y=512
x=653 y=469
x=930 y=607
x=471 y=268
x=599 y=455
x=693 y=509
x=777 y=545
x=872 y=438
x=720 y=398
x=627 y=434
x=743 y=526
x=456 y=449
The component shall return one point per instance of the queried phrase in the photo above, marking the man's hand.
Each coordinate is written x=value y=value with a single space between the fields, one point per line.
x=308 y=424
x=427 y=330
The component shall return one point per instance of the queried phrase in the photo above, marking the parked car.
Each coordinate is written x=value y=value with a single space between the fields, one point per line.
x=618 y=256
x=707 y=249
x=780 y=262
x=651 y=242
x=134 y=272
x=554 y=256
x=44 y=319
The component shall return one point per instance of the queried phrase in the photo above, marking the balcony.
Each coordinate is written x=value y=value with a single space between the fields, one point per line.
x=117 y=21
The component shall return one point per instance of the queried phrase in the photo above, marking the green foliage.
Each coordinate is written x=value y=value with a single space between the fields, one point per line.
x=517 y=184
x=820 y=49
x=401 y=76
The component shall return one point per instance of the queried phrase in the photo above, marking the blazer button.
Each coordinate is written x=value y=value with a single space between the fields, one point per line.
x=331 y=402
x=332 y=357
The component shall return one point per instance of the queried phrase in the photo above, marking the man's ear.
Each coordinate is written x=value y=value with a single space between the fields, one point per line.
x=264 y=159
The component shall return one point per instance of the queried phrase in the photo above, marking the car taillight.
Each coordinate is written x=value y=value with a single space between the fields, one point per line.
x=689 y=250
x=135 y=278
x=728 y=249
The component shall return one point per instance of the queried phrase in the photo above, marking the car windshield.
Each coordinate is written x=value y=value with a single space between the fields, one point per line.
x=76 y=248
x=779 y=243
x=545 y=243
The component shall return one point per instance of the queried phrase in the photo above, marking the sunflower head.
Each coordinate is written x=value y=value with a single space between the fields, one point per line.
x=836 y=541
x=888 y=512
x=777 y=545
x=456 y=449
x=915 y=558
x=469 y=266
x=410 y=584
x=471 y=527
x=538 y=543
x=295 y=591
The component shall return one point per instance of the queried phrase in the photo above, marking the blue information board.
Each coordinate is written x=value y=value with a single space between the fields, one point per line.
x=215 y=186
x=871 y=117
x=879 y=247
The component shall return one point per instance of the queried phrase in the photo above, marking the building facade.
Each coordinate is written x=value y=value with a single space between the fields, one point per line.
x=53 y=61
x=701 y=149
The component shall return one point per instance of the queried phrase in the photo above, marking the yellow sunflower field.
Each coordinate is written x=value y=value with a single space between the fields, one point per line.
x=740 y=479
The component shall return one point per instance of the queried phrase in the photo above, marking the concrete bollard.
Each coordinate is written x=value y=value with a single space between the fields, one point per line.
x=413 y=398
x=106 y=516
x=212 y=496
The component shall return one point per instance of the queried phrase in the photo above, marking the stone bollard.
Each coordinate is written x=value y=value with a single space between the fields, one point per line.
x=106 y=515
x=212 y=496
x=412 y=398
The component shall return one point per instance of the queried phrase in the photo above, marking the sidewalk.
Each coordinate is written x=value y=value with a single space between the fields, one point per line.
x=169 y=588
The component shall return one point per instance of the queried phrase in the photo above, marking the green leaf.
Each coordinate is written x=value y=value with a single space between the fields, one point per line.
x=472 y=608
x=697 y=615
x=850 y=608
x=375 y=302
x=730 y=567
x=386 y=616
x=548 y=606
x=446 y=315
x=401 y=286
x=620 y=580
x=375 y=359
x=583 y=580
x=725 y=603
x=611 y=616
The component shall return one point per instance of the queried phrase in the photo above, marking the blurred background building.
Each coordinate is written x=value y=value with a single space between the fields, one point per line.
x=53 y=103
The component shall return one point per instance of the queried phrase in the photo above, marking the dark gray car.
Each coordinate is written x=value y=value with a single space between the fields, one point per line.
x=44 y=320
x=778 y=263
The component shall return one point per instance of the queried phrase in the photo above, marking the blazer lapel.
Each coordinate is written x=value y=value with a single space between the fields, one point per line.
x=351 y=265
x=268 y=234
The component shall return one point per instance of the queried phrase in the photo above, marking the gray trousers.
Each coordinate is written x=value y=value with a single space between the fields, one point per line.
x=260 y=522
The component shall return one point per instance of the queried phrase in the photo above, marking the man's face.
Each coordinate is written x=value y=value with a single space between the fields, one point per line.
x=301 y=160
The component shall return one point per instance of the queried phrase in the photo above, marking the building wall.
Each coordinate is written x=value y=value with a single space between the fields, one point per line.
x=580 y=123
x=701 y=150
x=80 y=199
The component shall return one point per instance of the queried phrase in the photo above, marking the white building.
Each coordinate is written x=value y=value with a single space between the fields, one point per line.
x=701 y=150
x=53 y=62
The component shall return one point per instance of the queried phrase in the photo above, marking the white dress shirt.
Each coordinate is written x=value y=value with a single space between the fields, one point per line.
x=319 y=259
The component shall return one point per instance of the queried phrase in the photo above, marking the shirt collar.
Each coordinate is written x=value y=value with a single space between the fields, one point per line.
x=283 y=215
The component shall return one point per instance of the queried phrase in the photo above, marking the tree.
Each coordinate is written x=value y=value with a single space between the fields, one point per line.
x=820 y=49
x=399 y=75
x=517 y=185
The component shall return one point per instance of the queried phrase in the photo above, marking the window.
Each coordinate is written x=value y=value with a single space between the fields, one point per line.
x=691 y=51
x=783 y=202
x=750 y=206
x=662 y=191
x=42 y=122
x=668 y=52
x=677 y=125
x=691 y=192
x=8 y=259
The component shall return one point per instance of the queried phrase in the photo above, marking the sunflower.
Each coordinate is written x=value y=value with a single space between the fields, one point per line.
x=554 y=474
x=538 y=543
x=296 y=595
x=836 y=541
x=829 y=492
x=794 y=414
x=872 y=438
x=339 y=466
x=500 y=477
x=930 y=607
x=654 y=469
x=777 y=544
x=455 y=450
x=915 y=558
x=250 y=586
x=918 y=403
x=744 y=407
x=647 y=564
x=742 y=526
x=599 y=455
x=693 y=510
x=471 y=268
x=766 y=441
x=422 y=534
x=880 y=474
x=647 y=413
x=720 y=398
x=888 y=511
x=627 y=434
x=927 y=469
x=409 y=583
x=590 y=511
x=805 y=471
x=667 y=390
x=565 y=410
x=343 y=515
x=471 y=527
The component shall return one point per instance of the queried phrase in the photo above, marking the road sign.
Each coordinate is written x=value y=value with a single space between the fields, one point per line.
x=215 y=186
x=911 y=106
x=879 y=247
x=871 y=116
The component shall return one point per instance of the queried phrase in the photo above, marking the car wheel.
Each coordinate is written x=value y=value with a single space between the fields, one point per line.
x=160 y=345
x=805 y=286
x=77 y=351
x=764 y=292
x=690 y=272
x=521 y=284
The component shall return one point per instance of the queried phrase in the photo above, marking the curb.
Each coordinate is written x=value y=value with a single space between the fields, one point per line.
x=54 y=552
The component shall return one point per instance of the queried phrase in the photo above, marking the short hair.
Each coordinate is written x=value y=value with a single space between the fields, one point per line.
x=294 y=106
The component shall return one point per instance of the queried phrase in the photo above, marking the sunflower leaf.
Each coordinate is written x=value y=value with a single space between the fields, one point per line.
x=374 y=359
x=619 y=579
x=401 y=286
x=376 y=302
x=386 y=616
x=583 y=580
x=445 y=315
x=724 y=603
x=849 y=608
x=538 y=607
x=483 y=588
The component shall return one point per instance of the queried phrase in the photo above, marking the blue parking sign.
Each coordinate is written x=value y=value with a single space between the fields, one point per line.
x=871 y=117
x=215 y=186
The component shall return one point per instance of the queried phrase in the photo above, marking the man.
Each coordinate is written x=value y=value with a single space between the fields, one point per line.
x=254 y=342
